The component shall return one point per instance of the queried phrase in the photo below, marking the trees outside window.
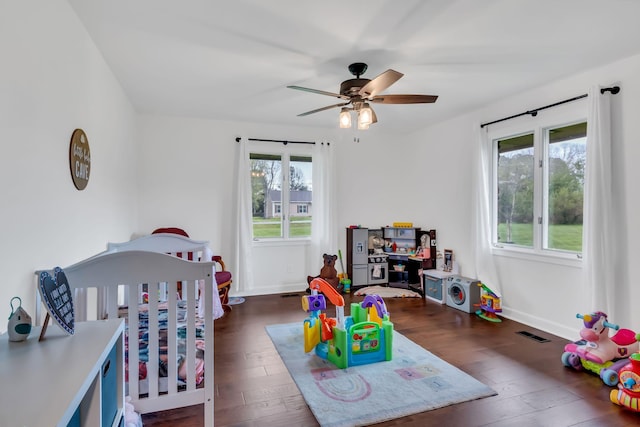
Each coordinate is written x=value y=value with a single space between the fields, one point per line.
x=515 y=190
x=539 y=187
x=564 y=182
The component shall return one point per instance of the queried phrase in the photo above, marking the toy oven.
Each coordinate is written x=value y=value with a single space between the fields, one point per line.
x=377 y=270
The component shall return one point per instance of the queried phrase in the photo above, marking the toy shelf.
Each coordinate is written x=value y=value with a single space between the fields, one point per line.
x=64 y=380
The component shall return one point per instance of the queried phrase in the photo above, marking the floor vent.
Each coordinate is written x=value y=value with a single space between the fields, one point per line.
x=532 y=336
x=289 y=295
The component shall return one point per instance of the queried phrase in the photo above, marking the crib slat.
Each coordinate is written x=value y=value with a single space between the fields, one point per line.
x=190 y=355
x=132 y=343
x=172 y=340
x=152 y=340
x=112 y=302
x=208 y=291
x=80 y=304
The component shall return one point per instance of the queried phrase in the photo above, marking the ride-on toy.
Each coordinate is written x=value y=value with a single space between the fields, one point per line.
x=628 y=392
x=599 y=353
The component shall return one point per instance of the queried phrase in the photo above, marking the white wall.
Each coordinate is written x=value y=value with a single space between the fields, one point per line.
x=189 y=183
x=54 y=80
x=540 y=294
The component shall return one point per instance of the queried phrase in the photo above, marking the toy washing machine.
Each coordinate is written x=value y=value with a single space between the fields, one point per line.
x=463 y=293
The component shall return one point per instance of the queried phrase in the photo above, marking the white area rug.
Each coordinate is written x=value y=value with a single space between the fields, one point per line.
x=414 y=381
x=387 y=292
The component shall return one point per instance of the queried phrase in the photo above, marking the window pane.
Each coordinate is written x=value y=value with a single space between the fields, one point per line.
x=515 y=190
x=300 y=196
x=565 y=186
x=266 y=195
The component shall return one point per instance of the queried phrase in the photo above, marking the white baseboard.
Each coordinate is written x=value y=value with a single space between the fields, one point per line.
x=545 y=325
x=282 y=289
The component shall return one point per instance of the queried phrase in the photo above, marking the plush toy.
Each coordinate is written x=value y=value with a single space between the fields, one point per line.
x=131 y=417
x=328 y=272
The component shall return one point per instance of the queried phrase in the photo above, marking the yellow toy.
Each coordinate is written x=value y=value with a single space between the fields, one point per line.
x=364 y=337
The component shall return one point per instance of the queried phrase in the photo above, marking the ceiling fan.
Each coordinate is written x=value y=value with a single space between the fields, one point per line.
x=359 y=92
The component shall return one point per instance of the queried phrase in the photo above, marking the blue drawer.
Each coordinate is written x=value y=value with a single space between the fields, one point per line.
x=110 y=388
x=75 y=420
x=433 y=287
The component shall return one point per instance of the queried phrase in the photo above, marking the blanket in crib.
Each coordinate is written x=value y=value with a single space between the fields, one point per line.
x=143 y=342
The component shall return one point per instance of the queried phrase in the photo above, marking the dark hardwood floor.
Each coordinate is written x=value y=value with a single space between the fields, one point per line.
x=253 y=387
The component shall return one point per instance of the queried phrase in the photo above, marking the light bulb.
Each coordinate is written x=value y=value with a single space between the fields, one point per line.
x=345 y=118
x=365 y=115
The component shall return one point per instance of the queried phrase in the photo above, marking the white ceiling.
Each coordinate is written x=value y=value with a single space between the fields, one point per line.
x=232 y=60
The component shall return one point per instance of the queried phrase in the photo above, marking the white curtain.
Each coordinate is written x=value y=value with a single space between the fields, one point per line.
x=485 y=266
x=598 y=222
x=243 y=279
x=324 y=231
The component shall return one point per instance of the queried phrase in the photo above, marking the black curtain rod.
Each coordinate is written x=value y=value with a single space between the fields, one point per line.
x=614 y=90
x=278 y=140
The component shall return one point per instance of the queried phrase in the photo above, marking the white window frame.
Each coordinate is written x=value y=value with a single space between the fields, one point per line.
x=285 y=152
x=570 y=113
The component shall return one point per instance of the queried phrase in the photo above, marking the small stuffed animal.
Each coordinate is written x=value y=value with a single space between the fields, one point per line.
x=328 y=272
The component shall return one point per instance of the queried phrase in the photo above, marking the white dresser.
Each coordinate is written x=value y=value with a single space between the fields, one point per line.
x=64 y=380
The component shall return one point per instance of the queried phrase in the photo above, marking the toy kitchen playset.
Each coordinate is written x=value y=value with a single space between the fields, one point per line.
x=391 y=256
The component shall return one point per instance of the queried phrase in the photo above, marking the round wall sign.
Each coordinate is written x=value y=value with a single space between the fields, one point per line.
x=79 y=159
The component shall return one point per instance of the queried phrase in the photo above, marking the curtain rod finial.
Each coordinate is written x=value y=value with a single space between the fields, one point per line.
x=238 y=139
x=614 y=90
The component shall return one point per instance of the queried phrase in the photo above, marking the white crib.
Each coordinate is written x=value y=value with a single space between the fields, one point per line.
x=119 y=273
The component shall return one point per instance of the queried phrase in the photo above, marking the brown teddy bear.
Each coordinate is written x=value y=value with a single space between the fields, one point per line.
x=328 y=272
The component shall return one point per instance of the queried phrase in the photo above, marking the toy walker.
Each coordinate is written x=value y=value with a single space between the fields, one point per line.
x=599 y=353
x=364 y=337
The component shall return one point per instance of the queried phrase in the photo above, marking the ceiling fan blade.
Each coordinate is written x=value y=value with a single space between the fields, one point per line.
x=404 y=99
x=320 y=92
x=380 y=83
x=342 y=104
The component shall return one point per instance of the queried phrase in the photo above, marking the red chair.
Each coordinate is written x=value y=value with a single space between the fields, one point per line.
x=223 y=277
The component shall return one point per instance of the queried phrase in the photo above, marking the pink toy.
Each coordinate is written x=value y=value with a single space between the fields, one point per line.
x=597 y=352
x=598 y=346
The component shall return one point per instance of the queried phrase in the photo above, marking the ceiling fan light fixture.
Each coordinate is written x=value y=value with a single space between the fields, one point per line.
x=365 y=115
x=345 y=118
x=362 y=126
x=357 y=91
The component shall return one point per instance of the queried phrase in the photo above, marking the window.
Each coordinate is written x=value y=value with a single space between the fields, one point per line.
x=539 y=187
x=515 y=190
x=281 y=202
